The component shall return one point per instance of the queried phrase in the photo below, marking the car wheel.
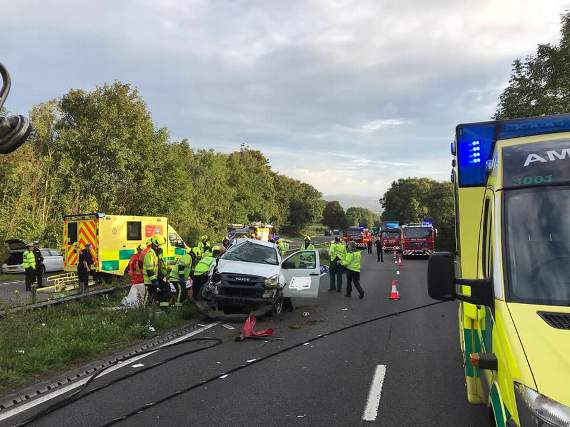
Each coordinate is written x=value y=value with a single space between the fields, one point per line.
x=44 y=271
x=277 y=308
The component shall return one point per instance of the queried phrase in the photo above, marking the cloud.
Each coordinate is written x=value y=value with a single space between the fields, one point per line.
x=348 y=95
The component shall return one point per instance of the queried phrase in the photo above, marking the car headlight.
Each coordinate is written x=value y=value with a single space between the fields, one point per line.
x=269 y=293
x=538 y=410
x=272 y=282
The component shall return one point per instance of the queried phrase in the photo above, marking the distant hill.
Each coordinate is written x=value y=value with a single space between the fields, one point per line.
x=348 y=200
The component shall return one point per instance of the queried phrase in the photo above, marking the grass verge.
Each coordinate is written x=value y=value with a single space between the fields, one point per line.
x=11 y=277
x=37 y=343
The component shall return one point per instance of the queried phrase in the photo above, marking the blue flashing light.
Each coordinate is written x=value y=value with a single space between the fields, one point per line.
x=475 y=142
x=474 y=147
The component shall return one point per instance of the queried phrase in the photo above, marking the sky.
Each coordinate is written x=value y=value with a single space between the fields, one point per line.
x=348 y=95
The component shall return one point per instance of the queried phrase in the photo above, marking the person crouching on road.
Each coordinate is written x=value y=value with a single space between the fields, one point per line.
x=202 y=273
x=336 y=252
x=84 y=265
x=29 y=265
x=351 y=260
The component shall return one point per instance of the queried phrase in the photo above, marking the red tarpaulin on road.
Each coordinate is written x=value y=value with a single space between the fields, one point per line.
x=250 y=324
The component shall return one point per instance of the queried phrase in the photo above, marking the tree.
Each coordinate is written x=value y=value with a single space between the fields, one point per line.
x=100 y=151
x=413 y=199
x=360 y=216
x=540 y=83
x=334 y=215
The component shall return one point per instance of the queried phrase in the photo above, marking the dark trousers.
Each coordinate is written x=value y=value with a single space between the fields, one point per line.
x=380 y=255
x=30 y=275
x=369 y=249
x=197 y=283
x=83 y=277
x=335 y=275
x=181 y=293
x=164 y=292
x=39 y=277
x=353 y=276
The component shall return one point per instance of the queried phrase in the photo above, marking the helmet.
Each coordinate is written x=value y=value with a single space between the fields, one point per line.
x=158 y=240
x=215 y=248
x=204 y=237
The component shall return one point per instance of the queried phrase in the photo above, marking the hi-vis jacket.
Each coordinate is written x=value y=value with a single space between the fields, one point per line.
x=351 y=260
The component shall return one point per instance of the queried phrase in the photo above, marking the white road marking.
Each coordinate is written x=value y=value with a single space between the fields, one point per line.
x=371 y=409
x=13 y=283
x=42 y=399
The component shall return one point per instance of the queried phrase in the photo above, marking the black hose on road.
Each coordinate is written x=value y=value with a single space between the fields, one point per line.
x=79 y=394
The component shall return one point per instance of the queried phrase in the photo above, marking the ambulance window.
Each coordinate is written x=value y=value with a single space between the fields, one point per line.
x=134 y=230
x=71 y=232
x=488 y=246
x=485 y=237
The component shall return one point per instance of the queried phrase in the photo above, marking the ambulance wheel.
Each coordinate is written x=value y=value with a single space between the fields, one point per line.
x=278 y=303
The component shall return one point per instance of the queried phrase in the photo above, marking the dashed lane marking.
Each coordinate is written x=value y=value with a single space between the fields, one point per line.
x=373 y=402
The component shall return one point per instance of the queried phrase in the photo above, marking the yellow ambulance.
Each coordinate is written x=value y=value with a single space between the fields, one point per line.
x=114 y=239
x=511 y=270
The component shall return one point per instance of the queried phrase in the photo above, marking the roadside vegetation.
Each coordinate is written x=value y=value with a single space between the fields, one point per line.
x=42 y=342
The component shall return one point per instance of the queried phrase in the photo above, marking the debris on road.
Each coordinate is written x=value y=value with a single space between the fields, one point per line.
x=230 y=327
x=137 y=365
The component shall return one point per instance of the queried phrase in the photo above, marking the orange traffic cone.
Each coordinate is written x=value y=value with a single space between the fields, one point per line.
x=399 y=261
x=394 y=294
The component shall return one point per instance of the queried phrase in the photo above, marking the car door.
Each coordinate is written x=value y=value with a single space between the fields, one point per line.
x=302 y=272
x=48 y=259
x=57 y=260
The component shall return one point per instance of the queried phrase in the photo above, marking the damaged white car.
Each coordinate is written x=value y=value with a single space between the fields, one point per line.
x=251 y=278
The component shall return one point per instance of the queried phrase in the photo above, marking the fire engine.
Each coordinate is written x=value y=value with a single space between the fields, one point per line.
x=418 y=239
x=359 y=235
x=391 y=240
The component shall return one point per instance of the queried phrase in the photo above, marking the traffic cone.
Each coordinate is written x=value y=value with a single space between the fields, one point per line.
x=399 y=261
x=394 y=294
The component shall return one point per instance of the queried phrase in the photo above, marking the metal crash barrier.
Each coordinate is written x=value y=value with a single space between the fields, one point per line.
x=64 y=282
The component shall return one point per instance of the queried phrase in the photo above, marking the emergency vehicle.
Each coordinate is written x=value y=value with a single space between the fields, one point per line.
x=114 y=239
x=512 y=269
x=418 y=239
x=359 y=235
x=259 y=230
x=391 y=240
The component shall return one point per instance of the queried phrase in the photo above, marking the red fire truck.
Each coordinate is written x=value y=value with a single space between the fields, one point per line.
x=358 y=235
x=391 y=240
x=418 y=239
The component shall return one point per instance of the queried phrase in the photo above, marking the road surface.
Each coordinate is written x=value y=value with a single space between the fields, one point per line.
x=400 y=371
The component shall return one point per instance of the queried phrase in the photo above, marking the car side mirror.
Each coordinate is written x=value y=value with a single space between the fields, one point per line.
x=441 y=276
x=442 y=283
